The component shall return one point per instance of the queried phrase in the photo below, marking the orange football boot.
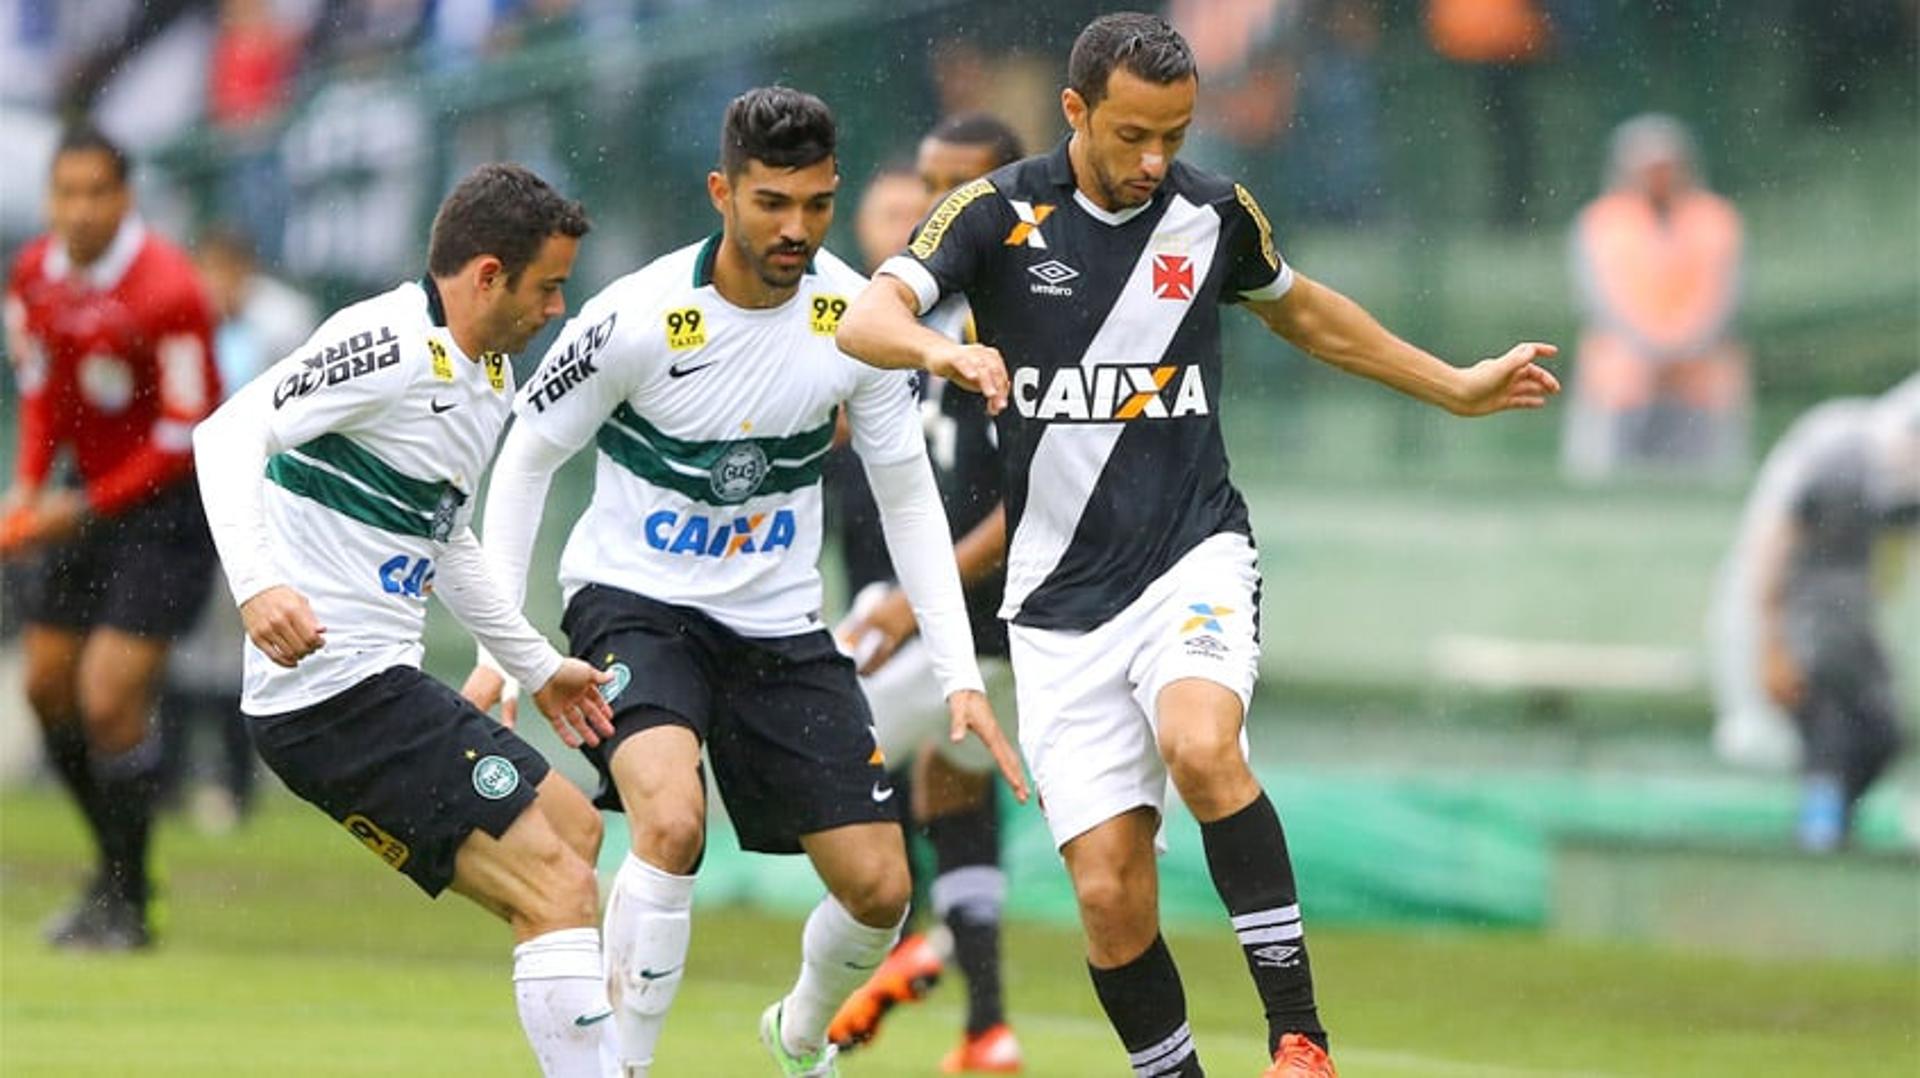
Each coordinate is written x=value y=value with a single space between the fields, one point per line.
x=992 y=1052
x=1299 y=1057
x=908 y=974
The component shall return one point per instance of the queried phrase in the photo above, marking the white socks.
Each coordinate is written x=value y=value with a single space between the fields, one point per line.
x=837 y=955
x=648 y=924
x=562 y=998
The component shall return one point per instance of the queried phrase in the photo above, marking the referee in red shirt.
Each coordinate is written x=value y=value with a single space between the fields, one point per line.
x=110 y=334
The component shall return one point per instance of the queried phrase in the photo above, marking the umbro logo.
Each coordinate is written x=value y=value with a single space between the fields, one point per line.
x=1050 y=278
x=1277 y=956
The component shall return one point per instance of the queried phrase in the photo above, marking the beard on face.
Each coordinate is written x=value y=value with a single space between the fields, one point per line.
x=780 y=276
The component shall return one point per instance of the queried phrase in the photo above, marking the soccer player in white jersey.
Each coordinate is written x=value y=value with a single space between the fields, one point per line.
x=1096 y=273
x=708 y=382
x=339 y=488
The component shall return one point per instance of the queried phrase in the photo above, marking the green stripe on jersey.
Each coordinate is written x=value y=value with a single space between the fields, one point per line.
x=348 y=479
x=715 y=473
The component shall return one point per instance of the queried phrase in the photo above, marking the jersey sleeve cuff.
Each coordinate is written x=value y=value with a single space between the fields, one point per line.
x=1281 y=284
x=914 y=276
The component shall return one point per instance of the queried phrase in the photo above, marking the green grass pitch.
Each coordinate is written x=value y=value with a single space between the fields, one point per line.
x=291 y=952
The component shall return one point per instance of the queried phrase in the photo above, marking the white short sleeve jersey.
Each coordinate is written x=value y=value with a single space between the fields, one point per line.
x=711 y=423
x=382 y=430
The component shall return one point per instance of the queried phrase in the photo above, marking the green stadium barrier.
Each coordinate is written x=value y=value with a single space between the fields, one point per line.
x=1459 y=848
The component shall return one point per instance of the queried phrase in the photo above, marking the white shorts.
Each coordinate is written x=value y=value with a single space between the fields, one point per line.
x=1088 y=726
x=910 y=714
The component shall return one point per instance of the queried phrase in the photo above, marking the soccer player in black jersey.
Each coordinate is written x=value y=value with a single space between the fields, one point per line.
x=1095 y=274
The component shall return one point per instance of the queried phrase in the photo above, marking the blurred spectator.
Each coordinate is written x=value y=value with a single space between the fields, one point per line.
x=893 y=202
x=110 y=334
x=1661 y=381
x=1845 y=477
x=255 y=56
x=1502 y=39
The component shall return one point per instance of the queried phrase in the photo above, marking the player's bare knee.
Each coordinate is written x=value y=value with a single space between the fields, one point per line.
x=1209 y=771
x=1104 y=893
x=670 y=837
x=878 y=896
x=115 y=721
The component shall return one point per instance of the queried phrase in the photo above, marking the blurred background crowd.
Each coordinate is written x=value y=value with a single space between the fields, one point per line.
x=1711 y=205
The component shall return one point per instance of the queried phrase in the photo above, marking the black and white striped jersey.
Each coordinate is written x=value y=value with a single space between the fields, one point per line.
x=1110 y=327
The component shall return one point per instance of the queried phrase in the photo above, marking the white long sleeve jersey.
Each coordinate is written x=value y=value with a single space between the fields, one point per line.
x=377 y=433
x=711 y=423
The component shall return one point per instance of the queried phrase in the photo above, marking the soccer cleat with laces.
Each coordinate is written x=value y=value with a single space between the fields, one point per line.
x=908 y=974
x=1299 y=1057
x=816 y=1064
x=994 y=1051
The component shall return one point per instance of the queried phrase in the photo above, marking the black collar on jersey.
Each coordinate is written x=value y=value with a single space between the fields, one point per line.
x=1060 y=165
x=709 y=251
x=436 y=307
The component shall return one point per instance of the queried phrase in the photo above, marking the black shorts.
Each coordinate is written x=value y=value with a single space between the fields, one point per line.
x=145 y=571
x=785 y=725
x=407 y=765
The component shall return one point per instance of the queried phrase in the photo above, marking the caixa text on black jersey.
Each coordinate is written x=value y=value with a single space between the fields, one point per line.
x=1110 y=393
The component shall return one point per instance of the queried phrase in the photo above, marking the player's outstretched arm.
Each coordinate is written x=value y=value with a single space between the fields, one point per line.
x=1335 y=330
x=516 y=500
x=881 y=329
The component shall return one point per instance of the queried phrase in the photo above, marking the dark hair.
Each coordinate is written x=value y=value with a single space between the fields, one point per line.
x=501 y=210
x=777 y=126
x=981 y=129
x=1145 y=45
x=84 y=137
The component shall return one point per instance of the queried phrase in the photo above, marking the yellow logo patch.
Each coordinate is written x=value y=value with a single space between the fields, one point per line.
x=826 y=314
x=1266 y=230
x=931 y=233
x=496 y=365
x=384 y=846
x=685 y=329
x=442 y=363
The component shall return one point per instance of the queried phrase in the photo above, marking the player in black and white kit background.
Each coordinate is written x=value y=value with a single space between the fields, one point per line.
x=949 y=785
x=1096 y=273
